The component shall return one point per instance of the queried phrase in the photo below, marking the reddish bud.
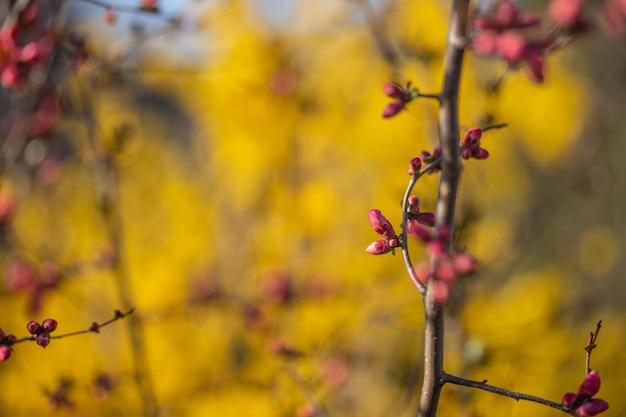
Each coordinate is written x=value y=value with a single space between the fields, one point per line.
x=441 y=291
x=427 y=219
x=445 y=271
x=511 y=45
x=34 y=327
x=414 y=166
x=590 y=385
x=436 y=248
x=506 y=13
x=565 y=13
x=466 y=153
x=592 y=407
x=465 y=264
x=5 y=352
x=29 y=14
x=472 y=137
x=9 y=340
x=110 y=16
x=395 y=90
x=10 y=76
x=419 y=231
x=42 y=339
x=49 y=325
x=484 y=43
x=149 y=5
x=414 y=204
x=568 y=399
x=393 y=108
x=381 y=225
x=423 y=271
x=379 y=247
x=480 y=153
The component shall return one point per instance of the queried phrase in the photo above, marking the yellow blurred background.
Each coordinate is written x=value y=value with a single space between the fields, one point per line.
x=221 y=188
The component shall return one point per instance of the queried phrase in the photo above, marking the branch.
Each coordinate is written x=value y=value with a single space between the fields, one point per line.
x=450 y=173
x=504 y=392
x=405 y=221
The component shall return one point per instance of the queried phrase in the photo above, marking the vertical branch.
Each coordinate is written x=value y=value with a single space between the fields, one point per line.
x=107 y=182
x=450 y=173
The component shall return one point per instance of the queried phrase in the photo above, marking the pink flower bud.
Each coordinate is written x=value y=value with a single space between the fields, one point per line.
x=506 y=13
x=592 y=407
x=5 y=352
x=414 y=204
x=445 y=271
x=379 y=247
x=414 y=166
x=564 y=13
x=511 y=45
x=441 y=291
x=419 y=231
x=465 y=264
x=9 y=340
x=466 y=153
x=33 y=327
x=480 y=153
x=568 y=399
x=49 y=325
x=393 y=108
x=423 y=271
x=472 y=137
x=395 y=90
x=426 y=218
x=590 y=385
x=484 y=43
x=381 y=225
x=42 y=339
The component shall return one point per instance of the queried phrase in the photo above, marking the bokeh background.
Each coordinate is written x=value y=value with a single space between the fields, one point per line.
x=212 y=166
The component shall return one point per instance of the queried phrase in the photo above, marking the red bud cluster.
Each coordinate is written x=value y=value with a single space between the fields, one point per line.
x=401 y=96
x=582 y=402
x=6 y=345
x=470 y=145
x=42 y=331
x=381 y=225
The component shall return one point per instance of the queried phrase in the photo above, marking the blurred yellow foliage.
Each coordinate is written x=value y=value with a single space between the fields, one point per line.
x=248 y=229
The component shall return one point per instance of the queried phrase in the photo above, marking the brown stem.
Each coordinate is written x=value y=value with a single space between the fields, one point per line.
x=405 y=222
x=450 y=173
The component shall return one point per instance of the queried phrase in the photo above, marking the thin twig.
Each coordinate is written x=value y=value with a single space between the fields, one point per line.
x=504 y=392
x=94 y=328
x=590 y=346
x=405 y=221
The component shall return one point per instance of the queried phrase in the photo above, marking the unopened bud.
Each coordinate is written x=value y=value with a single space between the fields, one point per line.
x=5 y=352
x=592 y=407
x=33 y=327
x=395 y=90
x=393 y=108
x=590 y=385
x=42 y=339
x=379 y=247
x=49 y=325
x=414 y=166
x=381 y=225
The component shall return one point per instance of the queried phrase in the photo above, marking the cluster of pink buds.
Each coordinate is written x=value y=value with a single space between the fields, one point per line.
x=470 y=145
x=447 y=267
x=23 y=45
x=401 y=96
x=42 y=331
x=582 y=402
x=6 y=345
x=381 y=225
x=501 y=33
